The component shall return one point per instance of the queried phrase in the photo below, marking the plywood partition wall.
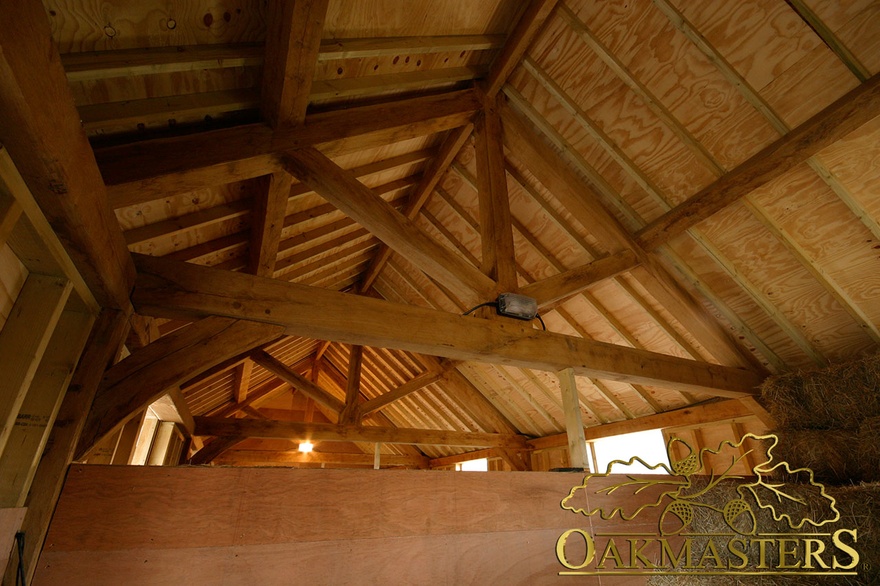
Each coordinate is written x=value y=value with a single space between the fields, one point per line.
x=134 y=525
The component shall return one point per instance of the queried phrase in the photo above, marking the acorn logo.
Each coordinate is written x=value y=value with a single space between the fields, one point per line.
x=700 y=482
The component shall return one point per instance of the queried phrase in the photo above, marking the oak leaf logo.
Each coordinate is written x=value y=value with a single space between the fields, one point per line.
x=680 y=493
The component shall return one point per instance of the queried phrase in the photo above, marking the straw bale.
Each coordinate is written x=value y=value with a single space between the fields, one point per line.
x=832 y=454
x=840 y=396
x=869 y=449
x=859 y=508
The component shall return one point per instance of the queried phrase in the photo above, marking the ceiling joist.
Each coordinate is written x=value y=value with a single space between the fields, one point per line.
x=170 y=289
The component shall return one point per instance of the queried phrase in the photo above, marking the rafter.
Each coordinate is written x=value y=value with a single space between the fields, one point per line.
x=827 y=127
x=552 y=290
x=225 y=427
x=270 y=207
x=556 y=175
x=214 y=448
x=411 y=386
x=41 y=130
x=496 y=234
x=527 y=28
x=376 y=215
x=160 y=167
x=297 y=381
x=351 y=413
x=293 y=39
x=170 y=289
x=439 y=164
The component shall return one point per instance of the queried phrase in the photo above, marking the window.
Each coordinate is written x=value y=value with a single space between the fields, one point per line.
x=647 y=445
x=481 y=465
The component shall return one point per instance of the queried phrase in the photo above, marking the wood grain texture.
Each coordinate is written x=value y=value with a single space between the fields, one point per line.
x=833 y=123
x=50 y=150
x=104 y=341
x=527 y=28
x=181 y=164
x=182 y=289
x=397 y=231
x=77 y=27
x=292 y=42
x=230 y=427
x=422 y=527
x=23 y=342
x=36 y=416
x=146 y=375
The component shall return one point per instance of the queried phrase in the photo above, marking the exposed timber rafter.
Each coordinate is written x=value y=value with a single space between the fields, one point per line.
x=171 y=289
x=436 y=168
x=224 y=427
x=407 y=388
x=527 y=28
x=41 y=130
x=296 y=380
x=845 y=115
x=555 y=174
x=293 y=40
x=550 y=291
x=496 y=233
x=165 y=166
x=356 y=200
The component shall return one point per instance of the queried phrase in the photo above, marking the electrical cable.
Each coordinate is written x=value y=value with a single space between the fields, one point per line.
x=543 y=325
x=487 y=304
x=19 y=578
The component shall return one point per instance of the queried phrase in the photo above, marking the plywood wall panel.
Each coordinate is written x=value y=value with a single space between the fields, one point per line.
x=626 y=120
x=841 y=246
x=855 y=161
x=580 y=141
x=647 y=300
x=763 y=260
x=550 y=234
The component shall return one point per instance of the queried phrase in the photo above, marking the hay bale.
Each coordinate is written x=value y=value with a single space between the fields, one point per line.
x=832 y=455
x=840 y=396
x=869 y=449
x=859 y=508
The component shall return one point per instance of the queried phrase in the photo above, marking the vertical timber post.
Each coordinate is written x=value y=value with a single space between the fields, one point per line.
x=574 y=425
